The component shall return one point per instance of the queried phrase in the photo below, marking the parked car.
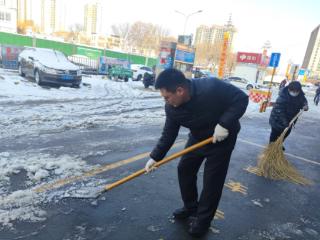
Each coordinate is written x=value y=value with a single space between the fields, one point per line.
x=202 y=74
x=242 y=82
x=139 y=71
x=119 y=72
x=49 y=66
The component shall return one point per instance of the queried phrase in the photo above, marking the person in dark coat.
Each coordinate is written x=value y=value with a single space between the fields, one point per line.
x=317 y=96
x=290 y=101
x=207 y=107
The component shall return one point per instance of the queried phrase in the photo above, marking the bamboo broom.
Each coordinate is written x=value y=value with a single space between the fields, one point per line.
x=273 y=164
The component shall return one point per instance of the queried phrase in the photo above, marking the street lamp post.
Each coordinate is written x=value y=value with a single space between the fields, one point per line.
x=186 y=16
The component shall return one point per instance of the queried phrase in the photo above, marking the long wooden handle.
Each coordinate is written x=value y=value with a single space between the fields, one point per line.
x=163 y=161
x=292 y=121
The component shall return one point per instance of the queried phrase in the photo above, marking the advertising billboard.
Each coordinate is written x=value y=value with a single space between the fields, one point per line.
x=249 y=57
x=9 y=56
x=184 y=56
x=166 y=55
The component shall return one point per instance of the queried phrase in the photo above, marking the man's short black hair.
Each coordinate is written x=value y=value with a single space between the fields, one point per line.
x=295 y=86
x=170 y=79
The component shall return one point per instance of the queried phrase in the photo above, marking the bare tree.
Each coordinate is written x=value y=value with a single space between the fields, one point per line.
x=75 y=31
x=208 y=53
x=145 y=37
x=122 y=30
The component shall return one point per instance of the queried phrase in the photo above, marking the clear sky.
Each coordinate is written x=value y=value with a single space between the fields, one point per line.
x=287 y=24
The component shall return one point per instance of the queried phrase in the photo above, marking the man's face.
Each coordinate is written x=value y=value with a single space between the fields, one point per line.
x=174 y=99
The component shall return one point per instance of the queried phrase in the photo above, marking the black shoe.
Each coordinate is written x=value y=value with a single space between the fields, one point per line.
x=198 y=230
x=184 y=213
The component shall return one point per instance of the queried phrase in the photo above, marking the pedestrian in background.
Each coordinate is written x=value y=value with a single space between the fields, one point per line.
x=289 y=102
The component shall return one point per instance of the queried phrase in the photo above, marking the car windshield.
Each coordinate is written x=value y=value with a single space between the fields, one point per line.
x=147 y=69
x=44 y=55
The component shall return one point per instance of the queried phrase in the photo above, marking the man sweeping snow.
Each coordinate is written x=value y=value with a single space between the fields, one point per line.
x=208 y=107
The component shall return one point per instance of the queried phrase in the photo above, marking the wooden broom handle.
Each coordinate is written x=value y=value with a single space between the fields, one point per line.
x=157 y=164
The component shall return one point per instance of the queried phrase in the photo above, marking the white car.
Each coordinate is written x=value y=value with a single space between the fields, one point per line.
x=243 y=83
x=139 y=71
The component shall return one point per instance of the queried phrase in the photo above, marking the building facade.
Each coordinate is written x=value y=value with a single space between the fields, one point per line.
x=92 y=18
x=24 y=11
x=48 y=16
x=8 y=16
x=311 y=59
x=213 y=34
x=213 y=42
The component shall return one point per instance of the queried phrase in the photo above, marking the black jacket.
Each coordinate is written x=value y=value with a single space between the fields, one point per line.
x=212 y=101
x=285 y=108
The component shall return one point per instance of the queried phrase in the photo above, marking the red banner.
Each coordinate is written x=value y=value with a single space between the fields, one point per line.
x=246 y=57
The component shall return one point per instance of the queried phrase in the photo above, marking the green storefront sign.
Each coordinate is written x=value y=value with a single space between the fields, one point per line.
x=90 y=53
x=71 y=49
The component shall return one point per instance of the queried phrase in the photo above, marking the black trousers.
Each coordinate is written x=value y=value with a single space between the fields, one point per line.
x=275 y=133
x=215 y=170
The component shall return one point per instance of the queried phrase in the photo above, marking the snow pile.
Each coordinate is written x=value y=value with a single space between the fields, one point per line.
x=38 y=169
x=20 y=205
x=38 y=166
x=15 y=88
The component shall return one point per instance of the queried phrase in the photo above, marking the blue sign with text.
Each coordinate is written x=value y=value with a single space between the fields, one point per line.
x=184 y=56
x=275 y=59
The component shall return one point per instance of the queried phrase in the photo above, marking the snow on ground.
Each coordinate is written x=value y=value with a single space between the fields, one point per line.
x=30 y=110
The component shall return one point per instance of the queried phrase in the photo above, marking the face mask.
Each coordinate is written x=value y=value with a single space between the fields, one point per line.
x=293 y=94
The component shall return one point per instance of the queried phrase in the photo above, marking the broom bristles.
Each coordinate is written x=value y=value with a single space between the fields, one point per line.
x=273 y=164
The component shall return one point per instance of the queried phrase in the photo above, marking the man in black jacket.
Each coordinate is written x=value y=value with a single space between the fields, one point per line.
x=208 y=107
x=290 y=101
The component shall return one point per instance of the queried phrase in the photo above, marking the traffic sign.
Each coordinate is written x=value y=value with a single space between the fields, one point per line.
x=274 y=61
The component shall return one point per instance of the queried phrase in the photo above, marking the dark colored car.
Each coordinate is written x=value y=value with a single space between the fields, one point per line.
x=49 y=66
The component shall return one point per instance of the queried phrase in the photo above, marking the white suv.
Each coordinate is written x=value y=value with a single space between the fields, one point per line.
x=139 y=71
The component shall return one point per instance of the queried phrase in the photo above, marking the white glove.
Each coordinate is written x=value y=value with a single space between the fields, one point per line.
x=220 y=133
x=149 y=165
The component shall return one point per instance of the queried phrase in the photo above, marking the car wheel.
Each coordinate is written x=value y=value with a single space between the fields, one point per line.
x=20 y=71
x=139 y=77
x=126 y=79
x=37 y=77
x=249 y=87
